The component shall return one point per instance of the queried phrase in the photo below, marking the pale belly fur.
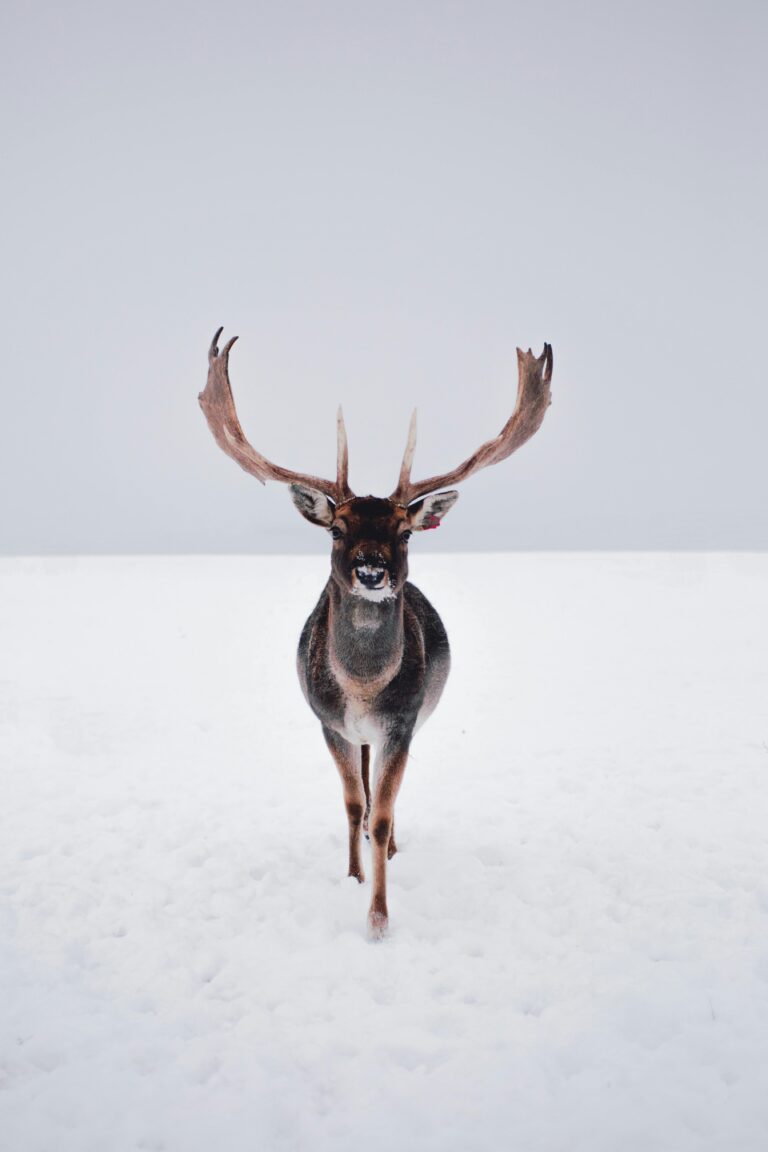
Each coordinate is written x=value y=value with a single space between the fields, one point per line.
x=361 y=726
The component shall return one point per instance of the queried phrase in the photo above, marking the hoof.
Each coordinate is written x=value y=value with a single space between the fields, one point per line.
x=359 y=875
x=391 y=849
x=378 y=924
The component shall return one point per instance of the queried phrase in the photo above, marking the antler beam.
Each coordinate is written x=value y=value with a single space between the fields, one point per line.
x=219 y=409
x=533 y=399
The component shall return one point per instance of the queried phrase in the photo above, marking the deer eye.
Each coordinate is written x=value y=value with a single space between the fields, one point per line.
x=405 y=536
x=336 y=533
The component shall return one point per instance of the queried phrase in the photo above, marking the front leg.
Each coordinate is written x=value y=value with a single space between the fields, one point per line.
x=388 y=779
x=347 y=759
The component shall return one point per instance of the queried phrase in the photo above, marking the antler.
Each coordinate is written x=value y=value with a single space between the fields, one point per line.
x=533 y=399
x=219 y=409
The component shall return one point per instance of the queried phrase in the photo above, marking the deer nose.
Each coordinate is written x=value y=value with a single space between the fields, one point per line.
x=370 y=575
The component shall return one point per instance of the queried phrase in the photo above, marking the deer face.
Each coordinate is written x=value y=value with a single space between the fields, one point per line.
x=369 y=556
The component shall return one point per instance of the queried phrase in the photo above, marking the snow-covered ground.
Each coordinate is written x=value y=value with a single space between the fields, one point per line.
x=578 y=958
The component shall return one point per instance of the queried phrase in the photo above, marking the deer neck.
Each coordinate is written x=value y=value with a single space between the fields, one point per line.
x=366 y=639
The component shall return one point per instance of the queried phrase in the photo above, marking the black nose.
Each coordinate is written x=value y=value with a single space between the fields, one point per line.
x=370 y=575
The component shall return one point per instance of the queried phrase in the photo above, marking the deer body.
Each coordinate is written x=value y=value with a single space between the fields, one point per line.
x=373 y=660
x=373 y=656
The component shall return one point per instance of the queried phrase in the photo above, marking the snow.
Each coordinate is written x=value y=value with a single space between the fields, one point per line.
x=578 y=956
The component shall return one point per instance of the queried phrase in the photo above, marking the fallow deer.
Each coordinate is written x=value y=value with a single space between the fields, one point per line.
x=373 y=656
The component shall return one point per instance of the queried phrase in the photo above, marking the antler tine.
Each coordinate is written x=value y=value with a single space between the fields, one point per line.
x=400 y=493
x=533 y=399
x=219 y=409
x=342 y=458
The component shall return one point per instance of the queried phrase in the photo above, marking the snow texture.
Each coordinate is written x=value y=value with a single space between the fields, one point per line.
x=578 y=957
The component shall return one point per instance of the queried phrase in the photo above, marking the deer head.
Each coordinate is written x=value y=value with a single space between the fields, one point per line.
x=370 y=535
x=369 y=557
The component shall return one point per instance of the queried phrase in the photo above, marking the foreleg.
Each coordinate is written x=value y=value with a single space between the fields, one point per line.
x=389 y=776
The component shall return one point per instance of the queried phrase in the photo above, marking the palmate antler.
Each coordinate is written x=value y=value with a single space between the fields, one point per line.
x=533 y=399
x=219 y=408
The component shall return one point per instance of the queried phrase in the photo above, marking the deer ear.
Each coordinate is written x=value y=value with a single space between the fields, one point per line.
x=428 y=513
x=313 y=505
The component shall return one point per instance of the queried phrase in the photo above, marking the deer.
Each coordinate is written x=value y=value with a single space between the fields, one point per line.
x=373 y=656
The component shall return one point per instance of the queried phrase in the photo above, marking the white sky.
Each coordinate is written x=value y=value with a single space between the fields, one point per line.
x=383 y=200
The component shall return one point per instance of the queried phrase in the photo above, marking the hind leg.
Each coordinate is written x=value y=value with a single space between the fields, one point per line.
x=347 y=759
x=365 y=762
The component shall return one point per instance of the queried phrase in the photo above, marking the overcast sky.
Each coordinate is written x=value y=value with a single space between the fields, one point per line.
x=382 y=200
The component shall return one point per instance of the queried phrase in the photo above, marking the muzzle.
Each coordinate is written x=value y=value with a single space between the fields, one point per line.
x=371 y=573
